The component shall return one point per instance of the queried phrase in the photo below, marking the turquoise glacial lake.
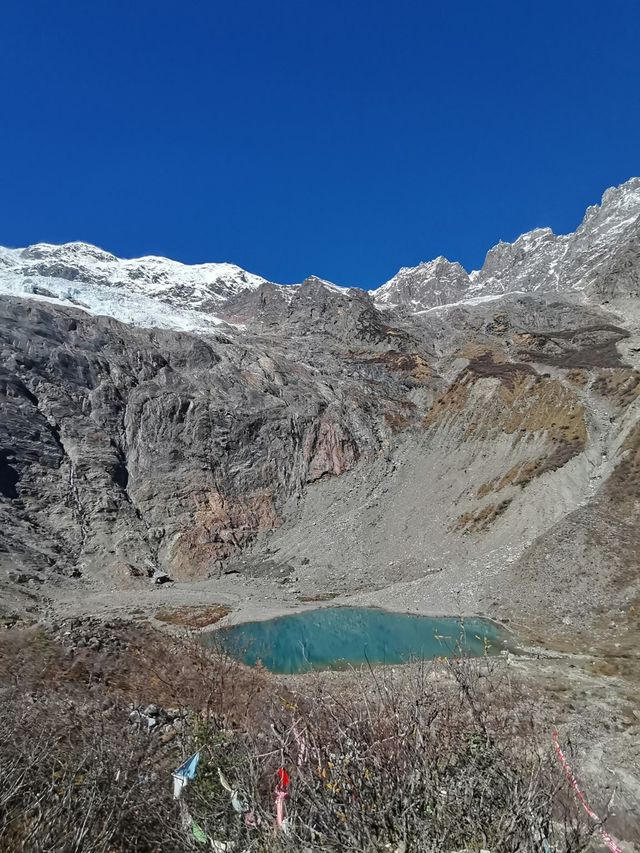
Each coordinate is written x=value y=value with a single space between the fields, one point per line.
x=336 y=637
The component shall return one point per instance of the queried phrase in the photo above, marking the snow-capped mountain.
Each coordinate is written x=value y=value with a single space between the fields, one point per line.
x=149 y=291
x=527 y=264
x=598 y=260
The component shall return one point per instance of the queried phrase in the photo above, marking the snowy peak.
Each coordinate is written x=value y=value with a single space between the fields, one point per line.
x=616 y=216
x=77 y=252
x=619 y=205
x=201 y=287
x=431 y=283
x=603 y=255
x=581 y=262
x=529 y=263
x=148 y=291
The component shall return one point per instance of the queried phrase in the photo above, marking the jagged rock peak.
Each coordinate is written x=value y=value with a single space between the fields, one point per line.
x=625 y=194
x=435 y=282
x=597 y=261
x=314 y=281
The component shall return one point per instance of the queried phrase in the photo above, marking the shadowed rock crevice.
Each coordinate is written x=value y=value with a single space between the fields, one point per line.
x=9 y=477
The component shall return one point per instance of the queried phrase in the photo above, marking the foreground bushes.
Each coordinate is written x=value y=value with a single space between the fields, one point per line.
x=432 y=764
x=440 y=758
x=72 y=781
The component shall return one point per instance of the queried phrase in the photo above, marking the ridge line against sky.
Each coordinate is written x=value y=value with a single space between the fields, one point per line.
x=312 y=274
x=510 y=239
x=294 y=139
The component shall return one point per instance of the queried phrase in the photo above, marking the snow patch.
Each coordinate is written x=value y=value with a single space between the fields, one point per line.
x=100 y=300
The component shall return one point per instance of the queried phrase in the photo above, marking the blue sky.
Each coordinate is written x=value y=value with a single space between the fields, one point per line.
x=341 y=139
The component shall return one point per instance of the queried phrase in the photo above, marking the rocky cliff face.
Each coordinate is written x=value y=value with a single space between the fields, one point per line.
x=437 y=282
x=160 y=450
x=444 y=431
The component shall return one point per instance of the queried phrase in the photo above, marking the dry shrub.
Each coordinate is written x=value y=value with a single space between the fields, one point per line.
x=75 y=779
x=443 y=757
x=425 y=765
x=75 y=773
x=135 y=664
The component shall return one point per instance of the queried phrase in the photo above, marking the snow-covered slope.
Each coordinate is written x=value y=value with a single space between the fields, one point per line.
x=600 y=260
x=194 y=286
x=147 y=291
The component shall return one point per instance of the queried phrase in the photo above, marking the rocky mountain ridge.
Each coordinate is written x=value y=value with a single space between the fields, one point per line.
x=584 y=262
x=153 y=291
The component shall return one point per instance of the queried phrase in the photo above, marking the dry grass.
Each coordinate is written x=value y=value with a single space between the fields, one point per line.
x=473 y=350
x=545 y=405
x=192 y=617
x=623 y=486
x=321 y=596
x=517 y=475
x=578 y=377
x=481 y=519
x=525 y=403
x=519 y=403
x=451 y=403
x=620 y=385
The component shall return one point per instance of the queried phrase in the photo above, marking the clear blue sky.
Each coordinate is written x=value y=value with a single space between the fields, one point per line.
x=337 y=138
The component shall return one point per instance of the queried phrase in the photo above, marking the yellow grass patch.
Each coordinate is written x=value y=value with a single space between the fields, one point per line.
x=192 y=617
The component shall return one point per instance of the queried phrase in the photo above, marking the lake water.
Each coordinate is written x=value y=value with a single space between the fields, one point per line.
x=334 y=637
